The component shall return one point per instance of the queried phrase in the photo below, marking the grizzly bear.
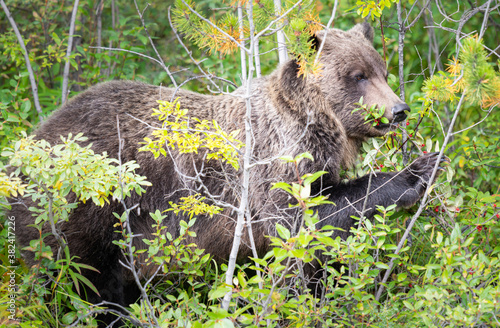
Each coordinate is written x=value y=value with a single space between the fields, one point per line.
x=291 y=114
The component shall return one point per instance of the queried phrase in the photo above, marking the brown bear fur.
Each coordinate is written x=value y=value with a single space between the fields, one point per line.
x=290 y=115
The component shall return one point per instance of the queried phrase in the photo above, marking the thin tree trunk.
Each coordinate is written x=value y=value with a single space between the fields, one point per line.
x=116 y=21
x=254 y=44
x=65 y=82
x=401 y=45
x=34 y=87
x=109 y=70
x=242 y=52
x=238 y=231
x=280 y=35
x=99 y=29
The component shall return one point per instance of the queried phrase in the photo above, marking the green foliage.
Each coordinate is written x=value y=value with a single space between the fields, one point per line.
x=49 y=175
x=215 y=35
x=53 y=172
x=194 y=205
x=373 y=8
x=190 y=134
x=373 y=114
x=458 y=287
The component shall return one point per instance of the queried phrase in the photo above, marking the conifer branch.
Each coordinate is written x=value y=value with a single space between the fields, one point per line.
x=241 y=46
x=190 y=54
x=268 y=27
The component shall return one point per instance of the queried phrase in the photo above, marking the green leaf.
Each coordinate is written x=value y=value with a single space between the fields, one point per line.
x=282 y=231
x=85 y=281
x=218 y=292
x=299 y=253
x=382 y=265
x=307 y=155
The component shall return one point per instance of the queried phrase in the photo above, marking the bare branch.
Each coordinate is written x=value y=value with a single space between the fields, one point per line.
x=65 y=92
x=160 y=60
x=330 y=22
x=34 y=87
x=242 y=52
x=190 y=54
x=423 y=203
x=129 y=255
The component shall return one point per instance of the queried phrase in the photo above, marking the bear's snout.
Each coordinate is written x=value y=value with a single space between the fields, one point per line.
x=398 y=112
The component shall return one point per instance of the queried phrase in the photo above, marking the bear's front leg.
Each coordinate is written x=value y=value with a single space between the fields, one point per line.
x=403 y=188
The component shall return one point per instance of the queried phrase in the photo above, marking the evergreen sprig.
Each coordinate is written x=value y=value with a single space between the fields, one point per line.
x=470 y=72
x=214 y=35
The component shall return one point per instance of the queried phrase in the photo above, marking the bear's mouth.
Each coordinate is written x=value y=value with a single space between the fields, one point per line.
x=387 y=126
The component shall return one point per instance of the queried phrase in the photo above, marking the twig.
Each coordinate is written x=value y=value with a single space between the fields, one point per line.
x=190 y=54
x=424 y=8
x=423 y=203
x=130 y=253
x=326 y=31
x=401 y=44
x=65 y=82
x=98 y=14
x=268 y=27
x=485 y=20
x=34 y=87
x=160 y=60
x=129 y=51
x=256 y=53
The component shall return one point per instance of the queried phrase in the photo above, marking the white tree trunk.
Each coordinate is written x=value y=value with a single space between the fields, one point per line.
x=280 y=36
x=65 y=82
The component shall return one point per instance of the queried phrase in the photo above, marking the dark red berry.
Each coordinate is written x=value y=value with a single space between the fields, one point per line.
x=479 y=228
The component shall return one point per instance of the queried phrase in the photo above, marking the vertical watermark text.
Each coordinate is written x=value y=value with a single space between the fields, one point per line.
x=11 y=273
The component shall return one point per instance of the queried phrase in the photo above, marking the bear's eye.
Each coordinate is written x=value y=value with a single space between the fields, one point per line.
x=360 y=77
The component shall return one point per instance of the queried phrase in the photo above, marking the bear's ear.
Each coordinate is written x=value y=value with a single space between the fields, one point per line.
x=363 y=29
x=315 y=41
x=289 y=77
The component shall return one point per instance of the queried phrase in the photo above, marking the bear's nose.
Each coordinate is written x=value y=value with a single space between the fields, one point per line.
x=398 y=112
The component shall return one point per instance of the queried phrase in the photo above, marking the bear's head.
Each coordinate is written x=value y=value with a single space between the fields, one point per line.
x=352 y=69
